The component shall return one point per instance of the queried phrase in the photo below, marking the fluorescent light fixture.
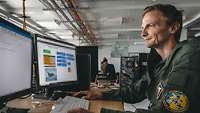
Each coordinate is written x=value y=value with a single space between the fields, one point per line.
x=73 y=41
x=65 y=37
x=187 y=23
x=62 y=32
x=197 y=34
x=139 y=43
x=49 y=24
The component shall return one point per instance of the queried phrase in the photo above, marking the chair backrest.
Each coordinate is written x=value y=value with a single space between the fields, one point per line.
x=111 y=69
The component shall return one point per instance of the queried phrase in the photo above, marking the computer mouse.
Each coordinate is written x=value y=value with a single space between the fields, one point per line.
x=54 y=97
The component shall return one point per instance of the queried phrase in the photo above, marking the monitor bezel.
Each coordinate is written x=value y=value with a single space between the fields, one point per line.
x=13 y=28
x=53 y=85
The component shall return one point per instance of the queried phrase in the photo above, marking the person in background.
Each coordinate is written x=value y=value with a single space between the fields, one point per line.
x=107 y=69
x=172 y=84
x=104 y=64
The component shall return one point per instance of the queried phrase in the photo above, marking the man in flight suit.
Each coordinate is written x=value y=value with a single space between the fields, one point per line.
x=171 y=84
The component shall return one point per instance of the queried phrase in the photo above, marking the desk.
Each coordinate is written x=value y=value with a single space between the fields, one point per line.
x=96 y=105
x=45 y=106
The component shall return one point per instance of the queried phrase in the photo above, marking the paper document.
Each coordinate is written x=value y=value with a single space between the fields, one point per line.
x=132 y=107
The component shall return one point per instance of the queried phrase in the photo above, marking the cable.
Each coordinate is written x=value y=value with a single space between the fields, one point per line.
x=24 y=14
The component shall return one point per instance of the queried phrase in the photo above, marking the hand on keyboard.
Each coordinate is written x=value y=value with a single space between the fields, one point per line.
x=92 y=94
x=68 y=103
x=79 y=110
x=80 y=94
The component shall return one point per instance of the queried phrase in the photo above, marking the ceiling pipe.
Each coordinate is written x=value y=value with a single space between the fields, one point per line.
x=88 y=28
x=63 y=14
x=30 y=24
x=57 y=8
x=85 y=28
x=24 y=14
x=66 y=8
x=75 y=21
x=79 y=32
x=9 y=16
x=48 y=5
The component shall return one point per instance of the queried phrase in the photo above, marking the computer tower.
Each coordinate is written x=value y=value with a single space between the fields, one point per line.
x=143 y=58
x=143 y=61
x=93 y=52
x=127 y=64
x=83 y=71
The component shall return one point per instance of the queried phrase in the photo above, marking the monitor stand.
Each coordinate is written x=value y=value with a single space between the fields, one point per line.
x=2 y=106
x=50 y=93
x=46 y=94
x=60 y=94
x=3 y=109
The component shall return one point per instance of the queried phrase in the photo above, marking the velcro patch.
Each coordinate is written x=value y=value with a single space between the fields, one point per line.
x=176 y=101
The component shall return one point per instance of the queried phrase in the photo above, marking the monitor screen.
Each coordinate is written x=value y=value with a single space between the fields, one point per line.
x=15 y=61
x=56 y=61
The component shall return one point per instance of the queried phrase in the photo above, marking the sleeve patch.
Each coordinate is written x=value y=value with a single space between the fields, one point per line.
x=175 y=101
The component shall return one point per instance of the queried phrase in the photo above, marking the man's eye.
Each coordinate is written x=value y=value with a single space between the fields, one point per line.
x=151 y=25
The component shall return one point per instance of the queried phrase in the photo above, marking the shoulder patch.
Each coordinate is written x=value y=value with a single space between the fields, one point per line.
x=175 y=101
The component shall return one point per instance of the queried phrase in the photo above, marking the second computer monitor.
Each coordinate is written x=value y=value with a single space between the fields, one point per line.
x=56 y=61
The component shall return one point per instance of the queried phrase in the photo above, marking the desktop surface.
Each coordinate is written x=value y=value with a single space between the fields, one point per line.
x=44 y=106
x=96 y=105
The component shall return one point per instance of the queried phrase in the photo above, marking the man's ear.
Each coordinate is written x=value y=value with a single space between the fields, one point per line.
x=174 y=27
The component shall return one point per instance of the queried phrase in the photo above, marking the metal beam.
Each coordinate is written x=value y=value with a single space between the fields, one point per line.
x=67 y=8
x=84 y=27
x=20 y=21
x=118 y=30
x=55 y=5
x=75 y=21
x=194 y=20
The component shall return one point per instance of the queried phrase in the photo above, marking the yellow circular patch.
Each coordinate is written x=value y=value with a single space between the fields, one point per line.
x=176 y=101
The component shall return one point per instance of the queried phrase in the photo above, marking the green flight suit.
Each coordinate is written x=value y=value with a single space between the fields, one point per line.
x=172 y=85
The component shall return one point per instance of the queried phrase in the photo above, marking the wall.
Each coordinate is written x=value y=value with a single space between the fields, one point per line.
x=106 y=52
x=183 y=34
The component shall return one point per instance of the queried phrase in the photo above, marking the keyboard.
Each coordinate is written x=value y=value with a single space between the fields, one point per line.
x=67 y=103
x=17 y=110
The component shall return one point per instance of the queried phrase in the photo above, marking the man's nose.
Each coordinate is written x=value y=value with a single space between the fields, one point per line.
x=143 y=33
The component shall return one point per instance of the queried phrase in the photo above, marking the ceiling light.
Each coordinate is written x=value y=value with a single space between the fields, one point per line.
x=197 y=34
x=48 y=24
x=65 y=37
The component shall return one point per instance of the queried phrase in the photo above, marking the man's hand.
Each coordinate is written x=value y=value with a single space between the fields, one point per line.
x=79 y=110
x=92 y=94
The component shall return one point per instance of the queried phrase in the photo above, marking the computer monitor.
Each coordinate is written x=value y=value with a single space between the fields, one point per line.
x=15 y=62
x=56 y=62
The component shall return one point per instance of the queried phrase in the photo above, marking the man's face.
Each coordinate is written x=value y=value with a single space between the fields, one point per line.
x=155 y=30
